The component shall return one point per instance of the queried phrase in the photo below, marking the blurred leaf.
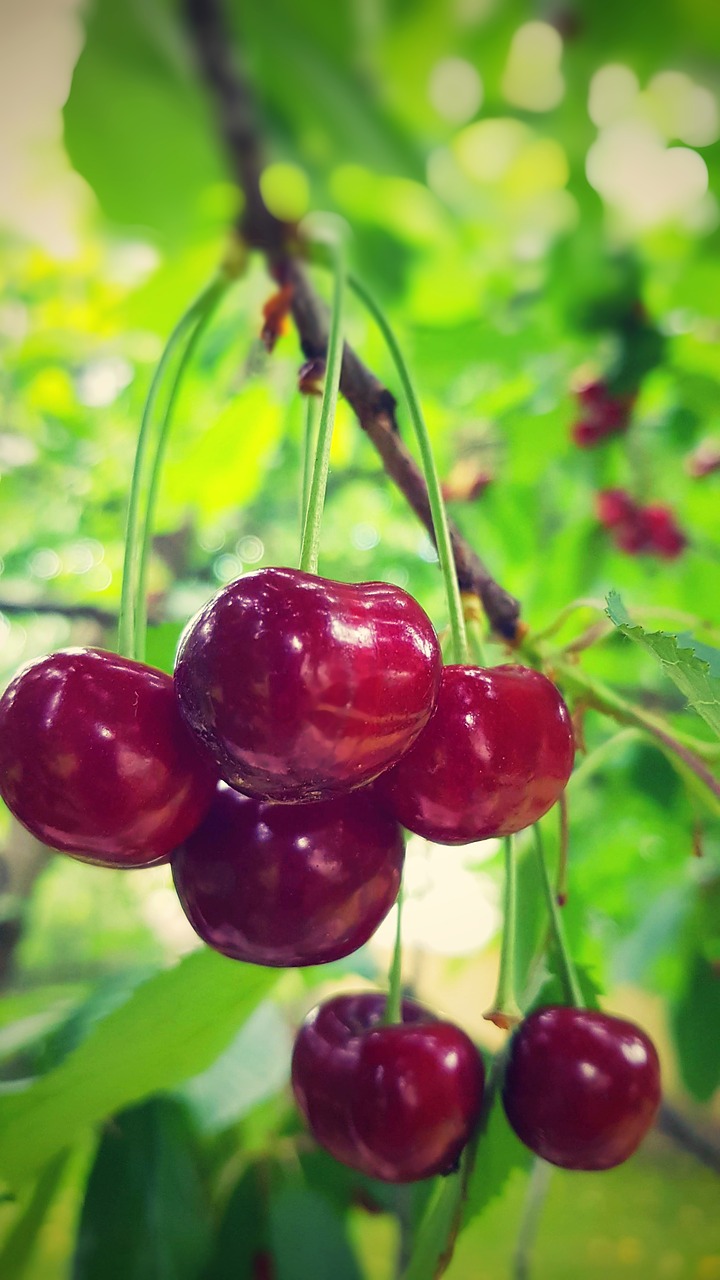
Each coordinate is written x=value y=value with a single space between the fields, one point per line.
x=499 y=1154
x=684 y=664
x=17 y=1250
x=134 y=95
x=309 y=1238
x=244 y=1231
x=256 y=1065
x=145 y=1213
x=695 y=1024
x=173 y=1026
x=161 y=644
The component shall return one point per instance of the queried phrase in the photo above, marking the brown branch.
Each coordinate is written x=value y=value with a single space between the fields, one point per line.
x=372 y=403
x=678 y=1128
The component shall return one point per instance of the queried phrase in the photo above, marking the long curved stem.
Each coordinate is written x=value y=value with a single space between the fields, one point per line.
x=437 y=505
x=212 y=300
x=313 y=516
x=137 y=525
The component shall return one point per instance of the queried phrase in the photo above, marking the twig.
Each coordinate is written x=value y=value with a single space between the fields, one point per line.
x=527 y=1233
x=373 y=404
x=673 y=1124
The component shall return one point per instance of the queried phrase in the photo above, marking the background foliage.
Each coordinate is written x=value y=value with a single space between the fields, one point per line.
x=533 y=194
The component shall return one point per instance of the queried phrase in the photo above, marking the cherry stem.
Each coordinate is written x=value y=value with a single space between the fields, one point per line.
x=505 y=1011
x=568 y=973
x=309 y=451
x=562 y=869
x=393 y=1007
x=432 y=480
x=310 y=545
x=133 y=615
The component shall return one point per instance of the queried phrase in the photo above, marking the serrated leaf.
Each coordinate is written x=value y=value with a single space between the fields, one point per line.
x=172 y=1027
x=684 y=661
x=145 y=1214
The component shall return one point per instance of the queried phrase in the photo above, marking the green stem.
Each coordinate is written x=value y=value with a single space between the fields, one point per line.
x=309 y=450
x=313 y=513
x=212 y=299
x=137 y=526
x=505 y=1011
x=568 y=975
x=393 y=1008
x=435 y=498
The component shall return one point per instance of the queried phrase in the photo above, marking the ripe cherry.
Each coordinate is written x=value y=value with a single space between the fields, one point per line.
x=289 y=884
x=615 y=507
x=581 y=1088
x=395 y=1102
x=301 y=687
x=95 y=759
x=495 y=756
x=604 y=413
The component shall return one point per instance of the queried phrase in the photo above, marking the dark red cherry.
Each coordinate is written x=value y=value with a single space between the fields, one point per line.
x=301 y=687
x=95 y=759
x=395 y=1102
x=581 y=1088
x=495 y=756
x=289 y=884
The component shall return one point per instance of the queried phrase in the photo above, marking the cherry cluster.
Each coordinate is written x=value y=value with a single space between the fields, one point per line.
x=603 y=413
x=640 y=530
x=305 y=722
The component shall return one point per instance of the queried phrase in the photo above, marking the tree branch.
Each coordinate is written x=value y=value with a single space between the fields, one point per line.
x=90 y=612
x=373 y=404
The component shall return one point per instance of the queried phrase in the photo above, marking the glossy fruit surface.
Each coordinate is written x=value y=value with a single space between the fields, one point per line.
x=395 y=1102
x=494 y=757
x=301 y=687
x=289 y=884
x=95 y=759
x=581 y=1087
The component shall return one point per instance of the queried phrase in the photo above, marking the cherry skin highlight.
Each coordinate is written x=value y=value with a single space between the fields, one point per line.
x=289 y=884
x=95 y=759
x=301 y=687
x=581 y=1088
x=494 y=757
x=396 y=1102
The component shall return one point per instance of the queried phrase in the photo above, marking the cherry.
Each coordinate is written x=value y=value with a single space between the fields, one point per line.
x=95 y=759
x=604 y=413
x=615 y=507
x=289 y=884
x=495 y=756
x=301 y=687
x=581 y=1088
x=662 y=531
x=395 y=1102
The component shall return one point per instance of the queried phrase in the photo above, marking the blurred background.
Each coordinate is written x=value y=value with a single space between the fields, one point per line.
x=533 y=194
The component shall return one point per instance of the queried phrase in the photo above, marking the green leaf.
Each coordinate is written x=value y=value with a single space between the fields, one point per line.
x=695 y=1023
x=256 y=1065
x=145 y=1214
x=244 y=1232
x=135 y=107
x=309 y=1238
x=683 y=659
x=499 y=1154
x=19 y=1245
x=173 y=1026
